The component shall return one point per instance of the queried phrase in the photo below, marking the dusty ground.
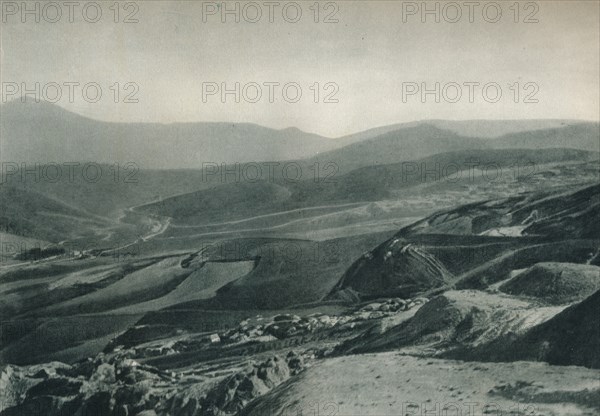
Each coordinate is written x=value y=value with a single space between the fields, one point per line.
x=395 y=384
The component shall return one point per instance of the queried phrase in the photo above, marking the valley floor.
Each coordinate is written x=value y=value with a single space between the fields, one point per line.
x=333 y=314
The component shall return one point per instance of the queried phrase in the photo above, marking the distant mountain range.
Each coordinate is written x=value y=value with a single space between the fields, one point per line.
x=427 y=139
x=46 y=133
x=43 y=132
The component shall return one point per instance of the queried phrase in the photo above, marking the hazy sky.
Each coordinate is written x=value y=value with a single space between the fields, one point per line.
x=369 y=53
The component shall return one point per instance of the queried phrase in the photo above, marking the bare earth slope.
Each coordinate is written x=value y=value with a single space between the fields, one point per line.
x=557 y=283
x=482 y=243
x=394 y=384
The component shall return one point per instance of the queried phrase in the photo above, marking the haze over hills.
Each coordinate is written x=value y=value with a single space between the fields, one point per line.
x=468 y=128
x=427 y=139
x=43 y=133
x=46 y=133
x=575 y=136
x=192 y=198
x=235 y=201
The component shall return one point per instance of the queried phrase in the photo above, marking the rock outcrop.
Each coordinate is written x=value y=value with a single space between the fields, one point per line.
x=120 y=386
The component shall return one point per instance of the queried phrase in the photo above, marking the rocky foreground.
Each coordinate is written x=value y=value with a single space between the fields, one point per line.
x=189 y=375
x=284 y=364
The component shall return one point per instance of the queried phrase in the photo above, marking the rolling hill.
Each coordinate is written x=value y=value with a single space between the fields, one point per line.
x=481 y=243
x=425 y=139
x=398 y=145
x=555 y=283
x=576 y=136
x=486 y=129
x=452 y=170
x=30 y=214
x=44 y=133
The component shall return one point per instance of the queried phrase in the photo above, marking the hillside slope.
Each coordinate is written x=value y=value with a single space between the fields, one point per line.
x=453 y=170
x=43 y=133
x=30 y=214
x=484 y=242
x=556 y=283
x=570 y=338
